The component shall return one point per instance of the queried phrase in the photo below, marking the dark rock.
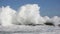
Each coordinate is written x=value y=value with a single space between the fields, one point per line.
x=31 y=24
x=49 y=23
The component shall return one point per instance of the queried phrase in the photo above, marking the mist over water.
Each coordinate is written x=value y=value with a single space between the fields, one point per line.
x=26 y=14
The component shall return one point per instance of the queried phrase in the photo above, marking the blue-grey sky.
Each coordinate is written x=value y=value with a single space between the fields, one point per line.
x=48 y=7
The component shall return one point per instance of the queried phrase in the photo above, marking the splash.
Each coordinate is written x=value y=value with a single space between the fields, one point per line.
x=56 y=20
x=27 y=14
x=30 y=14
x=0 y=14
x=6 y=16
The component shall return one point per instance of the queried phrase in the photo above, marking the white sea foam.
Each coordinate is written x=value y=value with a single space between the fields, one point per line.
x=27 y=14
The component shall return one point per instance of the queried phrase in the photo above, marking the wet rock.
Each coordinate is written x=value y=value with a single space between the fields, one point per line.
x=49 y=23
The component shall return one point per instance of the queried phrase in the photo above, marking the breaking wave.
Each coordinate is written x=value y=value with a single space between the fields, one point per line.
x=27 y=14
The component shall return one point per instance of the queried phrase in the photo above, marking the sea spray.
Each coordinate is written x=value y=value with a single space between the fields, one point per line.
x=30 y=14
x=6 y=16
x=27 y=14
x=0 y=14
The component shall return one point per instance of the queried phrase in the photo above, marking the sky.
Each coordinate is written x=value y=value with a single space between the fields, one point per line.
x=47 y=7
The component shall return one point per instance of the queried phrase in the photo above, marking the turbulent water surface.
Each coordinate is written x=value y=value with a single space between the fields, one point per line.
x=17 y=22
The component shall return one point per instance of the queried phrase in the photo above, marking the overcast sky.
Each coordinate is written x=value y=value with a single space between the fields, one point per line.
x=48 y=7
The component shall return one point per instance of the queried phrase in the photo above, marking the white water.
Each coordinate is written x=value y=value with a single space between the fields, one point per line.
x=30 y=14
x=27 y=14
x=7 y=16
